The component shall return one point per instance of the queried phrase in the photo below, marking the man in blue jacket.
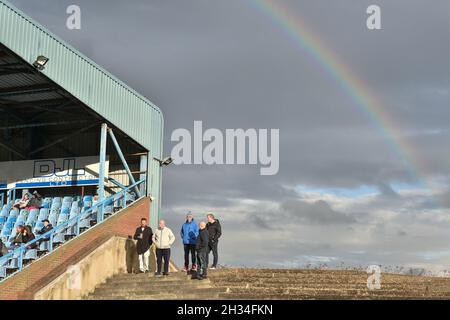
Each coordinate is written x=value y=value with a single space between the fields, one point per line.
x=189 y=234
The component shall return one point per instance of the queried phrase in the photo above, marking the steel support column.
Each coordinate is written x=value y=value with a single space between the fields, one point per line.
x=102 y=169
x=124 y=162
x=144 y=174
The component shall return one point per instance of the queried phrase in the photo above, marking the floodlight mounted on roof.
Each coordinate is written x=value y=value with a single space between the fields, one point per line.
x=164 y=162
x=40 y=62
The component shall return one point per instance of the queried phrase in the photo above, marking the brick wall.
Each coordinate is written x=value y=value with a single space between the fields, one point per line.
x=26 y=283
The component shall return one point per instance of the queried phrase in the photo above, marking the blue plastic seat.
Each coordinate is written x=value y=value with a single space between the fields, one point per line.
x=13 y=263
x=62 y=218
x=57 y=200
x=43 y=214
x=13 y=213
x=4 y=212
x=67 y=199
x=19 y=221
x=23 y=213
x=55 y=207
x=39 y=225
x=6 y=232
x=11 y=220
x=59 y=237
x=52 y=219
x=87 y=201
x=31 y=254
x=3 y=264
x=74 y=212
x=108 y=207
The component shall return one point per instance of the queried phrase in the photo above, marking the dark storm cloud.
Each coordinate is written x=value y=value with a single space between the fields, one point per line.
x=225 y=63
x=318 y=212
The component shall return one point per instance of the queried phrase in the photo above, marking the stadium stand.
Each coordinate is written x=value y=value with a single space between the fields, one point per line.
x=69 y=216
x=72 y=130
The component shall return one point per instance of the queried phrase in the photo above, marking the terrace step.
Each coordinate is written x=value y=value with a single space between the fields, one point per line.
x=146 y=286
x=271 y=284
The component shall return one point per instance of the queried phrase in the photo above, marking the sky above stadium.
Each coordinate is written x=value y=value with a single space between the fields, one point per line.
x=363 y=116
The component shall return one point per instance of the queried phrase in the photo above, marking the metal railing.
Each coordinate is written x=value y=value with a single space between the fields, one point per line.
x=19 y=252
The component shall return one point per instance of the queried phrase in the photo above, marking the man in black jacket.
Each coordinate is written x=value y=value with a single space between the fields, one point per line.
x=143 y=235
x=214 y=231
x=202 y=250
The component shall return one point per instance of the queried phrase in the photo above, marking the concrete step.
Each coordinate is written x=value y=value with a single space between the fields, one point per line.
x=172 y=275
x=328 y=280
x=148 y=278
x=201 y=293
x=154 y=284
x=388 y=286
x=250 y=296
x=149 y=288
x=332 y=292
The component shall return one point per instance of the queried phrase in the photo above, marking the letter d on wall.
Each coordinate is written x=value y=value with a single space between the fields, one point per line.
x=44 y=168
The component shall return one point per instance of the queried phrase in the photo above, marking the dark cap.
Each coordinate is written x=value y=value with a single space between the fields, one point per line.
x=45 y=220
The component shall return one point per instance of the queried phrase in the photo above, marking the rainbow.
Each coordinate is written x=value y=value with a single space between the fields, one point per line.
x=356 y=89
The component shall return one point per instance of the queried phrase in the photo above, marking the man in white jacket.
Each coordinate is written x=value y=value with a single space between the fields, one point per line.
x=163 y=238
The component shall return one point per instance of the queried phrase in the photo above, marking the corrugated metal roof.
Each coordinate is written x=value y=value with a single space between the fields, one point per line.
x=112 y=99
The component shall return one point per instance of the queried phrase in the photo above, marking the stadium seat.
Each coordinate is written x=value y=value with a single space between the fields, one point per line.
x=62 y=218
x=52 y=219
x=31 y=254
x=38 y=226
x=11 y=220
x=55 y=206
x=4 y=212
x=3 y=265
x=43 y=246
x=13 y=263
x=58 y=238
x=87 y=201
x=108 y=208
x=67 y=200
x=43 y=214
x=14 y=212
x=6 y=232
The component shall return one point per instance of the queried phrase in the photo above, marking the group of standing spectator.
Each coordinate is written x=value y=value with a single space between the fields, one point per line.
x=199 y=240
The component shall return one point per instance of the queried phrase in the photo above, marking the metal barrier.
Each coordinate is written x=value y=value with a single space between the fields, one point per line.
x=19 y=252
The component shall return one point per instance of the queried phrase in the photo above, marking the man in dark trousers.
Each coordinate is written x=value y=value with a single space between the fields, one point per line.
x=202 y=250
x=143 y=235
x=214 y=231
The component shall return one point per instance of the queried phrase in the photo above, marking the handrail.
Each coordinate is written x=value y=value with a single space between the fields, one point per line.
x=48 y=236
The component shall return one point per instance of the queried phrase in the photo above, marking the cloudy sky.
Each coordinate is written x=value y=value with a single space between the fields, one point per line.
x=345 y=192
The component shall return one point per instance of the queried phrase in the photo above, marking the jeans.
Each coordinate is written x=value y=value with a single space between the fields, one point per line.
x=212 y=247
x=189 y=248
x=202 y=266
x=143 y=261
x=160 y=254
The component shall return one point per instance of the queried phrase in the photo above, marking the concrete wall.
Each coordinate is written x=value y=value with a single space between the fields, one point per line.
x=34 y=277
x=80 y=279
x=117 y=255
